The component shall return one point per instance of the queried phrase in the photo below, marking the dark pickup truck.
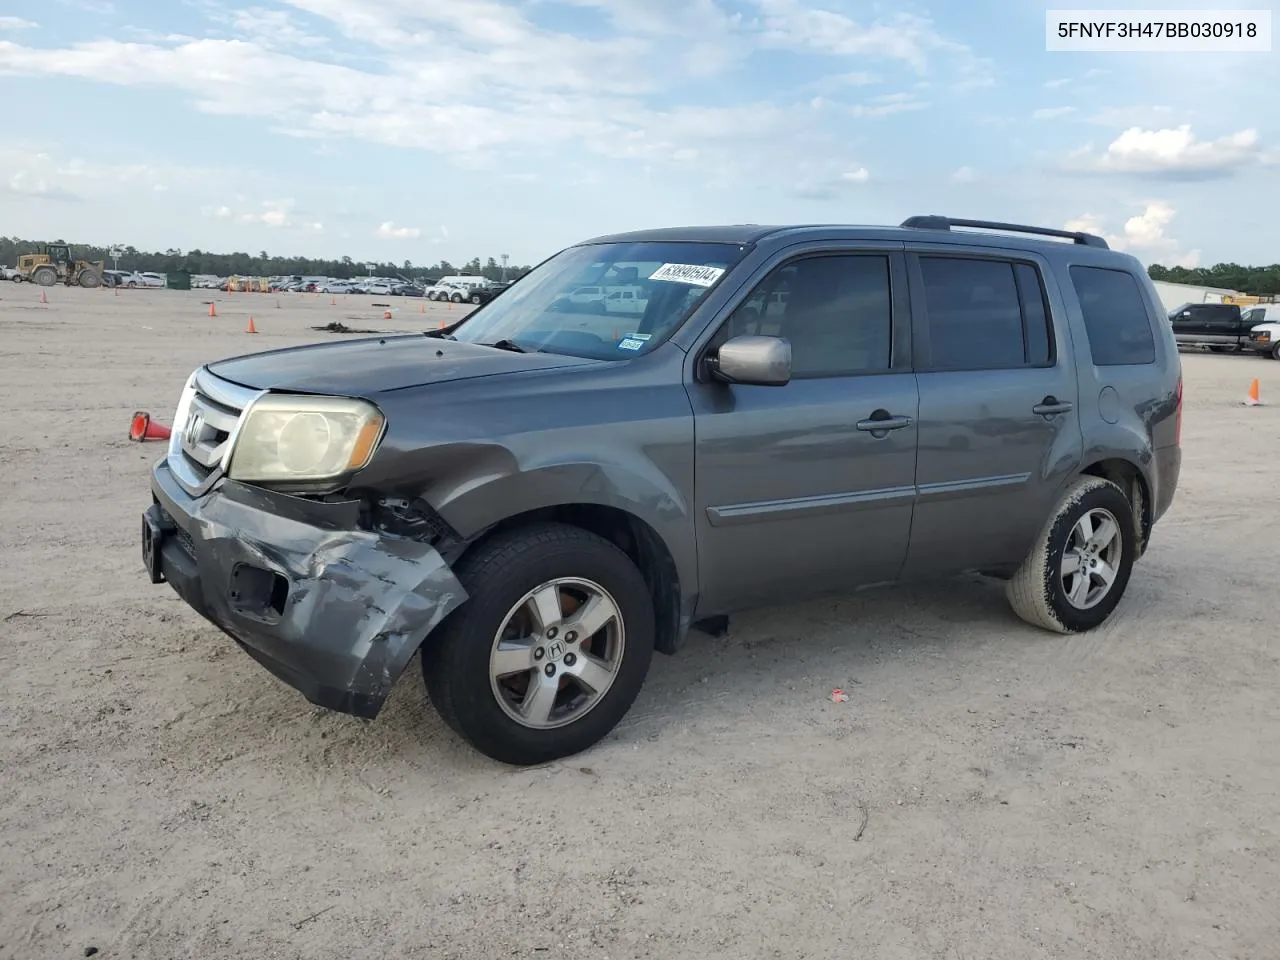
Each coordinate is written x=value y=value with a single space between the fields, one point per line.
x=1219 y=326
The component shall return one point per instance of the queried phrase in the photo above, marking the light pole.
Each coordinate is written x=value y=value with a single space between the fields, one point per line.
x=115 y=257
x=505 y=258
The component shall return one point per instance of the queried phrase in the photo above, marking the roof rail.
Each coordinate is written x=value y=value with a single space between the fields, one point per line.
x=946 y=223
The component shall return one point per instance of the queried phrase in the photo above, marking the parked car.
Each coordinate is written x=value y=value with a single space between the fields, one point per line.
x=536 y=501
x=1219 y=326
x=1263 y=322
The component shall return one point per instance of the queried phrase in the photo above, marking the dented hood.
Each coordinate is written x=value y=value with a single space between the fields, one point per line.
x=374 y=365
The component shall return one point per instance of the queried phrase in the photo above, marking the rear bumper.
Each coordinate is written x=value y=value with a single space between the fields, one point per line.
x=334 y=611
x=1168 y=469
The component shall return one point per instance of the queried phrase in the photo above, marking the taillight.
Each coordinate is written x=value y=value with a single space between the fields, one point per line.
x=1177 y=430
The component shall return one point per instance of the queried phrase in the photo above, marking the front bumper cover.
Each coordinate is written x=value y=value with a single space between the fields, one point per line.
x=334 y=611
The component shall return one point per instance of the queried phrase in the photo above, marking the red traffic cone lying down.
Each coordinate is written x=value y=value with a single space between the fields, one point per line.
x=141 y=428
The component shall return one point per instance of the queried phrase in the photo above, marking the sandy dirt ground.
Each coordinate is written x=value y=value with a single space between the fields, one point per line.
x=988 y=791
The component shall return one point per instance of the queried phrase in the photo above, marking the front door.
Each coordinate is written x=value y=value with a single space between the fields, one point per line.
x=999 y=425
x=800 y=491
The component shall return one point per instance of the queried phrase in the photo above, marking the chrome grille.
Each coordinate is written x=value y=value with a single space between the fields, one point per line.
x=205 y=428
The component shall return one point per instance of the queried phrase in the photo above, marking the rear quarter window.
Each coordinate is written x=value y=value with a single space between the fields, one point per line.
x=1115 y=316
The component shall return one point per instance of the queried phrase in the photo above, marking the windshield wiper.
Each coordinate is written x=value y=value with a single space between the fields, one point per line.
x=505 y=344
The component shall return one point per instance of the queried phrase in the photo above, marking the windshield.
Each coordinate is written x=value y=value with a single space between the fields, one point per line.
x=606 y=301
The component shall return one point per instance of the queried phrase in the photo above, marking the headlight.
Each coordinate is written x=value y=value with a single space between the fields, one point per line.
x=304 y=439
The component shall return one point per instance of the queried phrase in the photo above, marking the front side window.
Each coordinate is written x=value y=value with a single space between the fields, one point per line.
x=835 y=310
x=570 y=304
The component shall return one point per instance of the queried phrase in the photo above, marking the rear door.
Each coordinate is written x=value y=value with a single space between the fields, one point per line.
x=999 y=423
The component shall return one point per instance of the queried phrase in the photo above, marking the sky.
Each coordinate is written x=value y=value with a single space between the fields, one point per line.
x=427 y=129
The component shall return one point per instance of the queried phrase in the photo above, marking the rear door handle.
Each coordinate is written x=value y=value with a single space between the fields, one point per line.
x=1051 y=405
x=888 y=423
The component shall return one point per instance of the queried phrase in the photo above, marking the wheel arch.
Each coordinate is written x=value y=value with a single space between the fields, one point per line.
x=627 y=531
x=1133 y=481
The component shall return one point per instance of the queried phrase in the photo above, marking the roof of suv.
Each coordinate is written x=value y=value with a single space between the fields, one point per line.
x=934 y=229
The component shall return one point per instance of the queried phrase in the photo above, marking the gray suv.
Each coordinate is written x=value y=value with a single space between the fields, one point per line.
x=537 y=497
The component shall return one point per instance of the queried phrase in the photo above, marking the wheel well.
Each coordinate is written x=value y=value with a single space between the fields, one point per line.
x=1129 y=479
x=630 y=534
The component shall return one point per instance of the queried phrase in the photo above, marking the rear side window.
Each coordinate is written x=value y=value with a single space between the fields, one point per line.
x=1115 y=316
x=985 y=314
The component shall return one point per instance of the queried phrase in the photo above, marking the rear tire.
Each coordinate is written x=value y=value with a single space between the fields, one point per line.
x=1044 y=594
x=483 y=698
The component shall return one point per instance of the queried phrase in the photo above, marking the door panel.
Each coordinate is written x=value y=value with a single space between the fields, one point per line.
x=794 y=498
x=996 y=439
x=799 y=490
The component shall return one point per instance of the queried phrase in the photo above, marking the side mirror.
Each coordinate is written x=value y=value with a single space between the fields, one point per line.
x=759 y=361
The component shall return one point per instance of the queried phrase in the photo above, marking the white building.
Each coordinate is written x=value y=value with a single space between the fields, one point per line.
x=1176 y=294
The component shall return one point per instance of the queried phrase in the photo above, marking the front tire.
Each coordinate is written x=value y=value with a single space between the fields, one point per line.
x=45 y=276
x=551 y=648
x=1079 y=568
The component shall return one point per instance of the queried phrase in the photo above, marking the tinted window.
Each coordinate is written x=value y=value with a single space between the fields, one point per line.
x=1115 y=316
x=1035 y=315
x=984 y=314
x=1255 y=316
x=835 y=311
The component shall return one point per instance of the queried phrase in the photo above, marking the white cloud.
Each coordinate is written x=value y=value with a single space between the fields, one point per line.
x=888 y=104
x=102 y=8
x=826 y=181
x=1172 y=152
x=1051 y=113
x=1152 y=116
x=478 y=80
x=964 y=175
x=904 y=37
x=390 y=231
x=1055 y=84
x=17 y=23
x=1143 y=235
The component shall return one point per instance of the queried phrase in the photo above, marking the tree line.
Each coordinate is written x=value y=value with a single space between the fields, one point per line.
x=1262 y=281
x=1255 y=281
x=262 y=265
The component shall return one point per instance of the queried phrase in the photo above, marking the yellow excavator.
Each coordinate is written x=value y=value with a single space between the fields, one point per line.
x=54 y=264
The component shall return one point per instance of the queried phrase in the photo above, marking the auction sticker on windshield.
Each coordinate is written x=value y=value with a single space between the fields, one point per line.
x=687 y=273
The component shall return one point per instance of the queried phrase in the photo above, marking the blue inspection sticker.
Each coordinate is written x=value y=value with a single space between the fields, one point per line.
x=633 y=341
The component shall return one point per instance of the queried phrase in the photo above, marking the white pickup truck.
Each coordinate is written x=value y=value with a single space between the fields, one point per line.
x=1263 y=324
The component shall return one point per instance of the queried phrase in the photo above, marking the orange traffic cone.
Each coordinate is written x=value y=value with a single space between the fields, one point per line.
x=1255 y=398
x=43 y=297
x=422 y=308
x=213 y=311
x=386 y=314
x=277 y=303
x=251 y=328
x=333 y=301
x=141 y=428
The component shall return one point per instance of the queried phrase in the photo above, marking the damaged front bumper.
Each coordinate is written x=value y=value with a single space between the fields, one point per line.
x=333 y=610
